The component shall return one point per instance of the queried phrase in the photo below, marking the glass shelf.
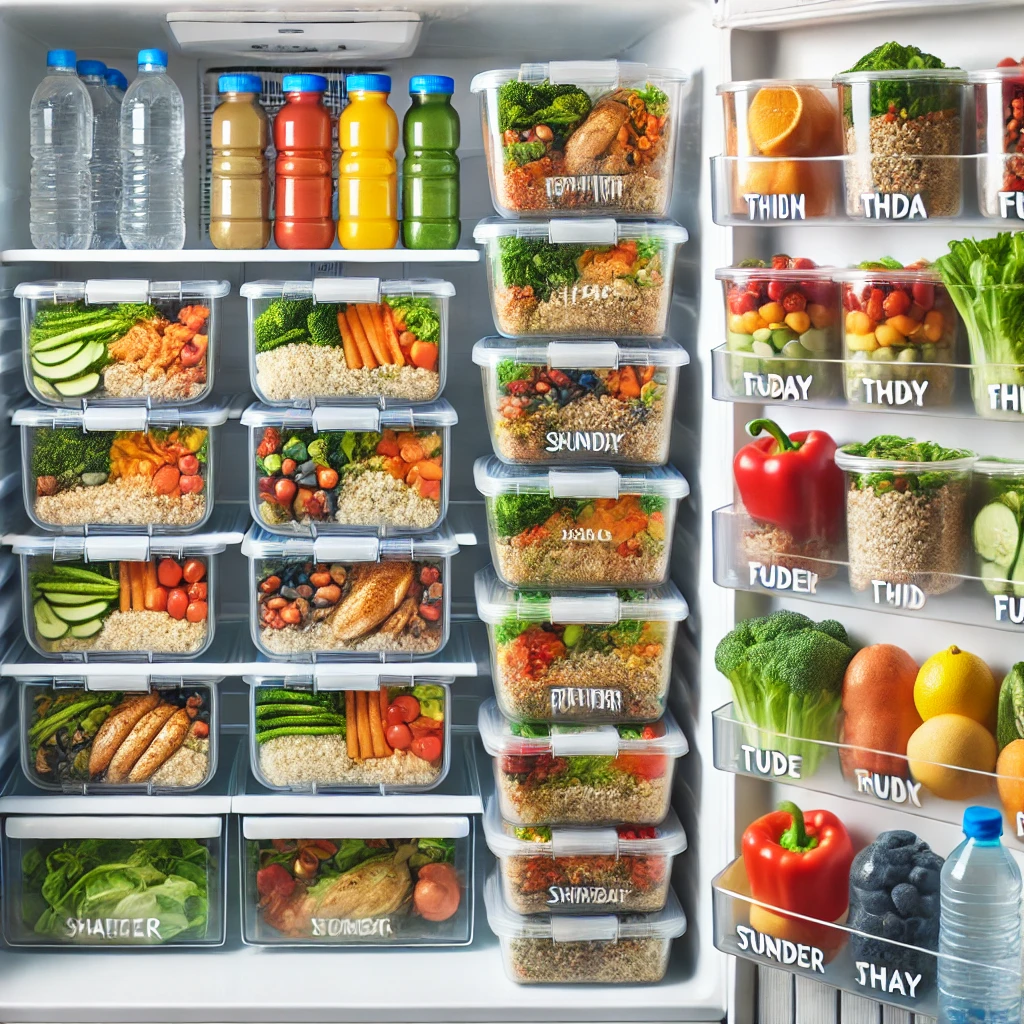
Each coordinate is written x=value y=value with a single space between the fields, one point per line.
x=739 y=566
x=335 y=255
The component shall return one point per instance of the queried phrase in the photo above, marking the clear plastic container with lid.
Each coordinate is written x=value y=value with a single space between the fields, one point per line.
x=997 y=504
x=629 y=949
x=124 y=468
x=583 y=528
x=581 y=137
x=564 y=403
x=593 y=278
x=578 y=775
x=120 y=341
x=624 y=870
x=999 y=117
x=347 y=339
x=580 y=657
x=354 y=469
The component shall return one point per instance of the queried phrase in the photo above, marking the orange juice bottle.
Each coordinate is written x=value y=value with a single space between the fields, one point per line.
x=368 y=172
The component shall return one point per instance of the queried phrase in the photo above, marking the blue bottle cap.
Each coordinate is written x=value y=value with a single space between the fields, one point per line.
x=304 y=83
x=432 y=85
x=240 y=83
x=116 y=78
x=156 y=58
x=985 y=823
x=368 y=83
x=60 y=59
x=91 y=67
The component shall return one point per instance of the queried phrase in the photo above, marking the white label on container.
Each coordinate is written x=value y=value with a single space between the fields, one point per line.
x=597 y=188
x=590 y=72
x=1009 y=609
x=342 y=927
x=583 y=355
x=784 y=206
x=101 y=548
x=894 y=392
x=346 y=289
x=795 y=388
x=592 y=231
x=101 y=292
x=590 y=483
x=113 y=929
x=584 y=842
x=791 y=954
x=891 y=788
x=585 y=895
x=779 y=577
x=771 y=763
x=1011 y=205
x=892 y=206
x=898 y=595
x=588 y=442
x=589 y=608
x=887 y=979
x=575 y=928
x=567 y=699
x=569 y=741
x=1006 y=397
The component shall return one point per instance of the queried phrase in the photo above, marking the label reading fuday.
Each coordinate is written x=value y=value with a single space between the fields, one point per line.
x=567 y=699
x=794 y=388
x=585 y=895
x=784 y=206
x=1008 y=609
x=597 y=188
x=343 y=927
x=779 y=577
x=1006 y=397
x=782 y=951
x=887 y=979
x=771 y=763
x=892 y=206
x=888 y=787
x=1011 y=205
x=590 y=442
x=894 y=392
x=898 y=595
x=113 y=929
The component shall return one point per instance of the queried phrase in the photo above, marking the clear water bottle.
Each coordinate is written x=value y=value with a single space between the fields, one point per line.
x=152 y=151
x=980 y=922
x=116 y=83
x=106 y=156
x=60 y=205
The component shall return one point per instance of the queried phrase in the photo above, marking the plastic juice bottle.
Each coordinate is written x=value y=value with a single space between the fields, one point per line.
x=303 y=187
x=240 y=197
x=430 y=171
x=368 y=173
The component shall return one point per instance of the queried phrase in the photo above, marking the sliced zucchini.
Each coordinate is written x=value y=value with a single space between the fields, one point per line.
x=59 y=355
x=80 y=612
x=55 y=597
x=73 y=367
x=79 y=386
x=84 y=630
x=993 y=578
x=48 y=626
x=996 y=534
x=44 y=387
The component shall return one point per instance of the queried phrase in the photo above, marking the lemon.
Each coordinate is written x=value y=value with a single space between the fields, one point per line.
x=946 y=743
x=955 y=682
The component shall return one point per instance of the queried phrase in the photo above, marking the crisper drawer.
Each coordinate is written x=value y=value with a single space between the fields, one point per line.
x=114 y=881
x=348 y=881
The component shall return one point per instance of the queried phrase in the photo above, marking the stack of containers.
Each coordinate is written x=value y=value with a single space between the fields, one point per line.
x=119 y=476
x=350 y=570
x=580 y=507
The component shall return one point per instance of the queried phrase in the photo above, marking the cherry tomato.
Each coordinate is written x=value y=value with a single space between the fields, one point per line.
x=190 y=484
x=288 y=467
x=197 y=592
x=195 y=570
x=407 y=709
x=427 y=747
x=168 y=572
x=284 y=490
x=327 y=478
x=189 y=465
x=177 y=603
x=399 y=736
x=196 y=611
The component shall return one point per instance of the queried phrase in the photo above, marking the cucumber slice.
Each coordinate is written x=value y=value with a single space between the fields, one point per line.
x=48 y=626
x=70 y=600
x=79 y=386
x=99 y=591
x=84 y=630
x=44 y=387
x=996 y=534
x=80 y=612
x=73 y=367
x=59 y=355
x=993 y=578
x=1018 y=578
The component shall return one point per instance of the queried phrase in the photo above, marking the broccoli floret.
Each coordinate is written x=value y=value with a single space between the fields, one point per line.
x=67 y=453
x=283 y=322
x=787 y=675
x=522 y=106
x=322 y=325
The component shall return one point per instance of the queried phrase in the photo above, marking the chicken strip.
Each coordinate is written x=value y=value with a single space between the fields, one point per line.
x=113 y=732
x=376 y=591
x=594 y=136
x=138 y=740
x=167 y=742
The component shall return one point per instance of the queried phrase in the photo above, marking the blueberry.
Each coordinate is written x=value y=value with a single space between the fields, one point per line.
x=893 y=927
x=895 y=838
x=874 y=901
x=906 y=899
x=588 y=380
x=924 y=879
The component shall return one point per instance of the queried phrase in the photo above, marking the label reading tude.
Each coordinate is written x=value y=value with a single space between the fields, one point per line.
x=343 y=927
x=893 y=206
x=773 y=385
x=1011 y=205
x=887 y=979
x=778 y=577
x=784 y=206
x=888 y=787
x=810 y=958
x=898 y=595
x=113 y=928
x=594 y=441
x=1006 y=397
x=565 y=699
x=772 y=763
x=894 y=392
x=578 y=895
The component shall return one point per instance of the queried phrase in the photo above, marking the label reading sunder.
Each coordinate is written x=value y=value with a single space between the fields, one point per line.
x=791 y=954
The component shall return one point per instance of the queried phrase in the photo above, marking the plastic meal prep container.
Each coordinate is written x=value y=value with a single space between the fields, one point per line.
x=352 y=338
x=126 y=468
x=630 y=949
x=336 y=468
x=580 y=137
x=581 y=528
x=572 y=775
x=175 y=896
x=583 y=657
x=999 y=115
x=594 y=278
x=388 y=598
x=997 y=491
x=564 y=403
x=357 y=881
x=357 y=734
x=120 y=340
x=127 y=597
x=100 y=735
x=583 y=870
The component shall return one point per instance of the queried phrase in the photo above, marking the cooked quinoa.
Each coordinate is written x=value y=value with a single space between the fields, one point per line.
x=578 y=563
x=129 y=380
x=186 y=768
x=628 y=311
x=631 y=961
x=149 y=632
x=316 y=371
x=376 y=498
x=320 y=638
x=127 y=501
x=771 y=545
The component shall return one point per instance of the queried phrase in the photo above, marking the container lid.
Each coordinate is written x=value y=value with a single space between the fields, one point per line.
x=240 y=83
x=340 y=417
x=581 y=355
x=954 y=76
x=494 y=477
x=824 y=273
x=368 y=83
x=109 y=826
x=668 y=923
x=336 y=827
x=107 y=290
x=1013 y=73
x=114 y=547
x=91 y=68
x=303 y=83
x=825 y=84
x=586 y=231
x=346 y=289
x=905 y=275
x=258 y=543
x=499 y=735
x=338 y=675
x=431 y=85
x=989 y=465
x=157 y=58
x=122 y=417
x=496 y=603
x=60 y=58
x=94 y=679
x=874 y=464
x=607 y=74
x=669 y=839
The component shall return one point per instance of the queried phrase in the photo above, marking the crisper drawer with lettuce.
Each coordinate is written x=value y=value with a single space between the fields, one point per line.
x=109 y=880
x=350 y=881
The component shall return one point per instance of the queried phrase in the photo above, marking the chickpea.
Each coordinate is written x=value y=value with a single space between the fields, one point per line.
x=544 y=133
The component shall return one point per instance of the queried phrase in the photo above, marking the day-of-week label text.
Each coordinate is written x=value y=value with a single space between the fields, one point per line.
x=1009 y=609
x=778 y=577
x=562 y=895
x=888 y=787
x=771 y=762
x=784 y=206
x=113 y=927
x=810 y=958
x=894 y=392
x=1006 y=397
x=773 y=385
x=887 y=979
x=893 y=206
x=601 y=188
x=586 y=534
x=582 y=441
x=1011 y=205
x=583 y=293
x=363 y=927
x=898 y=595
x=585 y=698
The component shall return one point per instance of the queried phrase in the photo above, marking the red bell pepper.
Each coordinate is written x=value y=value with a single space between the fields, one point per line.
x=791 y=481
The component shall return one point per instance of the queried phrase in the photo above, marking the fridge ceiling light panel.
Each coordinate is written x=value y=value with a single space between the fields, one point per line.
x=299 y=36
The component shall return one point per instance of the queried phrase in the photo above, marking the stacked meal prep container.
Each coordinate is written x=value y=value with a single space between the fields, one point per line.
x=580 y=507
x=350 y=570
x=119 y=474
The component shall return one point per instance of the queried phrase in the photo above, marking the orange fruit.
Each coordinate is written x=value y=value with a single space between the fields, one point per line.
x=1010 y=769
x=943 y=745
x=791 y=120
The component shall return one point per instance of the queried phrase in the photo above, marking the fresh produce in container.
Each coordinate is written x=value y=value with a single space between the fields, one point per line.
x=317 y=739
x=999 y=117
x=906 y=512
x=603 y=142
x=787 y=675
x=998 y=524
x=910 y=142
x=1010 y=740
x=899 y=321
x=792 y=490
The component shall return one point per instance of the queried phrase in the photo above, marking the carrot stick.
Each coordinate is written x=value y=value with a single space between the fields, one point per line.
x=150 y=584
x=391 y=335
x=365 y=352
x=363 y=721
x=348 y=341
x=137 y=574
x=351 y=726
x=384 y=702
x=366 y=319
x=125 y=593
x=378 y=330
x=380 y=745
